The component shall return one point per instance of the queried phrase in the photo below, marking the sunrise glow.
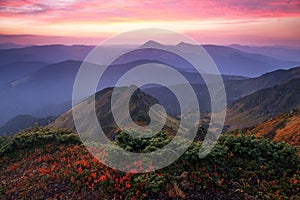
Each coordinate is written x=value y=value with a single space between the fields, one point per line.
x=268 y=22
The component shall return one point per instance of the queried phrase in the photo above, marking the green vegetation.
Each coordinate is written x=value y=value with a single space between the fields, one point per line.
x=52 y=163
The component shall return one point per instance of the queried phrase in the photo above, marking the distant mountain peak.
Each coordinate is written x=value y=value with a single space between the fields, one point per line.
x=185 y=44
x=152 y=43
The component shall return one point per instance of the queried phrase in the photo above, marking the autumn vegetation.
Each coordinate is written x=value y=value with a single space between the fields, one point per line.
x=42 y=163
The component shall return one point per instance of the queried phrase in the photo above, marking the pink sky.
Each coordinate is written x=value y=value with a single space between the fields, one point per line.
x=251 y=22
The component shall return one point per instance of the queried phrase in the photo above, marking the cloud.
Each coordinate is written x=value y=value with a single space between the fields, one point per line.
x=43 y=39
x=93 y=18
x=149 y=10
x=22 y=7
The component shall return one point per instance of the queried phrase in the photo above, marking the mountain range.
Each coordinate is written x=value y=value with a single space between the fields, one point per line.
x=270 y=94
x=10 y=45
x=235 y=89
x=38 y=80
x=283 y=52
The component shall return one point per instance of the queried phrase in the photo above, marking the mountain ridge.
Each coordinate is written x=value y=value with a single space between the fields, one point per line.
x=263 y=104
x=227 y=58
x=22 y=122
x=139 y=107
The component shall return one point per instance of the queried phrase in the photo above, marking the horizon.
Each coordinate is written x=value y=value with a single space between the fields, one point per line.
x=231 y=45
x=228 y=22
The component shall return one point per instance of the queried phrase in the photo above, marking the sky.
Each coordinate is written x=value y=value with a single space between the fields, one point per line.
x=246 y=22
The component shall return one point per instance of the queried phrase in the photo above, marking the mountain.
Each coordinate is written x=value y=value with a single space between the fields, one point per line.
x=51 y=85
x=238 y=88
x=48 y=53
x=235 y=89
x=13 y=71
x=30 y=82
x=139 y=107
x=9 y=45
x=53 y=110
x=264 y=104
x=22 y=122
x=282 y=52
x=229 y=60
x=282 y=128
x=235 y=62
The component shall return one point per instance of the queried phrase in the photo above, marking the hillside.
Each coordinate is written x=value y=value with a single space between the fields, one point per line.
x=233 y=61
x=23 y=122
x=283 y=52
x=139 y=107
x=53 y=164
x=49 y=85
x=48 y=53
x=282 y=128
x=240 y=88
x=10 y=45
x=264 y=104
x=14 y=71
x=235 y=89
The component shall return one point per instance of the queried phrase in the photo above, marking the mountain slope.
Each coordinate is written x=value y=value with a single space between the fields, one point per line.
x=13 y=71
x=49 y=85
x=282 y=128
x=46 y=163
x=282 y=52
x=235 y=89
x=23 y=122
x=263 y=104
x=48 y=53
x=238 y=88
x=229 y=61
x=9 y=45
x=139 y=107
x=236 y=62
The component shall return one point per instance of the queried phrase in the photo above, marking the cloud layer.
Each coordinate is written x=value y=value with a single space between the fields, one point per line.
x=116 y=10
x=94 y=17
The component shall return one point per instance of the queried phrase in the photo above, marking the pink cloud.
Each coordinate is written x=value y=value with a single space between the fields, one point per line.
x=94 y=10
x=239 y=19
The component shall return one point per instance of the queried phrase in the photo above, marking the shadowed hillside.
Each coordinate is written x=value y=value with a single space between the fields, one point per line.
x=139 y=107
x=263 y=104
x=23 y=122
